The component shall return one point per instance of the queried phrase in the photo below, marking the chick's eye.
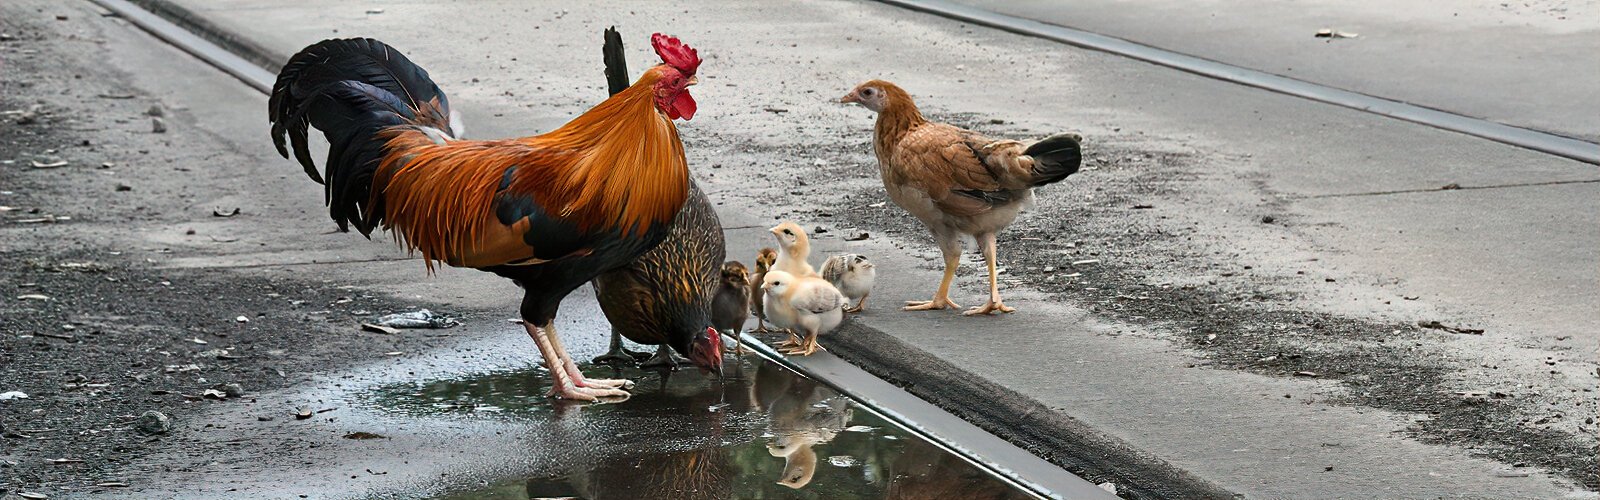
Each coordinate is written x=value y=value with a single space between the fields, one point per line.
x=788 y=232
x=866 y=92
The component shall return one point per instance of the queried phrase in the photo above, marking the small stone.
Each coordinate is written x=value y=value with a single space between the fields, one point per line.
x=123 y=188
x=157 y=125
x=233 y=390
x=155 y=110
x=153 y=422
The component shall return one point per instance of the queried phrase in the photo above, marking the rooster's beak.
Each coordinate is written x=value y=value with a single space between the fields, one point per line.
x=693 y=80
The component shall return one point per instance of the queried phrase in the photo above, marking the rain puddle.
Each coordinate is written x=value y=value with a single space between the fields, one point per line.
x=763 y=432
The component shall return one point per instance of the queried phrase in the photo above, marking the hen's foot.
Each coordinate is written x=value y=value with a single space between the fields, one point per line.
x=664 y=358
x=992 y=307
x=931 y=305
x=618 y=358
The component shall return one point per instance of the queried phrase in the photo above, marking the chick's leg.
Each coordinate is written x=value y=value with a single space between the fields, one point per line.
x=600 y=386
x=860 y=306
x=989 y=244
x=950 y=246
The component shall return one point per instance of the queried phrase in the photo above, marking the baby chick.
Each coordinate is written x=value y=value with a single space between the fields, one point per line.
x=764 y=260
x=794 y=248
x=730 y=307
x=809 y=304
x=853 y=275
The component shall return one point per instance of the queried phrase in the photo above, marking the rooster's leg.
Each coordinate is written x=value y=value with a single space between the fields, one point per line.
x=950 y=246
x=600 y=386
x=994 y=305
x=561 y=385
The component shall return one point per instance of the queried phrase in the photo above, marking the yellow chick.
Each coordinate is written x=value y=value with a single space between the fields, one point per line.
x=802 y=304
x=794 y=250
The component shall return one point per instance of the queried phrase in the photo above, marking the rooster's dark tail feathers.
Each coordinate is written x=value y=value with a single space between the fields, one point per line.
x=351 y=90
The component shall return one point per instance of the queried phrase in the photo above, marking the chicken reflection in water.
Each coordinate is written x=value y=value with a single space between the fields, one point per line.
x=801 y=414
x=764 y=433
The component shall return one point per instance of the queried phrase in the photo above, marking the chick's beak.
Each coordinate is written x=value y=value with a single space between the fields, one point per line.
x=849 y=98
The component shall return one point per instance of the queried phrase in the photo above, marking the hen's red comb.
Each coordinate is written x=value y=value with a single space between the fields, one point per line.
x=675 y=53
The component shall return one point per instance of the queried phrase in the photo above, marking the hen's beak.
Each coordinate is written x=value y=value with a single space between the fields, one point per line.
x=693 y=80
x=849 y=98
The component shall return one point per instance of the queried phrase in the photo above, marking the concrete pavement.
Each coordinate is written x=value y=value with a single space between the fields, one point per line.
x=1239 y=154
x=1520 y=63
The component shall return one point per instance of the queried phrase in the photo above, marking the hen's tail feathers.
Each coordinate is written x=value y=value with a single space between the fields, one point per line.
x=351 y=90
x=616 y=61
x=1055 y=158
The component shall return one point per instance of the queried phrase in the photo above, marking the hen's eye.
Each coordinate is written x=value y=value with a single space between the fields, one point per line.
x=866 y=92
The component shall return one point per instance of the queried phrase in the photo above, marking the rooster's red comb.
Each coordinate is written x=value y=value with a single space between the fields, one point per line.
x=676 y=53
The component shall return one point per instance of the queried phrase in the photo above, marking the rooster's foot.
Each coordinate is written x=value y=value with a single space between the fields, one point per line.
x=605 y=383
x=992 y=307
x=584 y=393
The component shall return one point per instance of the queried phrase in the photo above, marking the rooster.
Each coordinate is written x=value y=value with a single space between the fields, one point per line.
x=958 y=182
x=550 y=212
x=664 y=297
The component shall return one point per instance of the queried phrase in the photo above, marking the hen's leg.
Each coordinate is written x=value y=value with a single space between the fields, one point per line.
x=987 y=241
x=664 y=358
x=950 y=246
x=561 y=385
x=604 y=387
x=617 y=355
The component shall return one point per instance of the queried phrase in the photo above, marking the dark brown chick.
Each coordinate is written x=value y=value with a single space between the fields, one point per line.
x=730 y=306
x=764 y=260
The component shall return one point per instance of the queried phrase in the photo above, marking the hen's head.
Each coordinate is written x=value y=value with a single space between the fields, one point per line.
x=706 y=351
x=876 y=95
x=674 y=76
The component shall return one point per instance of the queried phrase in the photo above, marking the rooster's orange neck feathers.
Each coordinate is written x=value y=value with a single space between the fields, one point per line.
x=618 y=166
